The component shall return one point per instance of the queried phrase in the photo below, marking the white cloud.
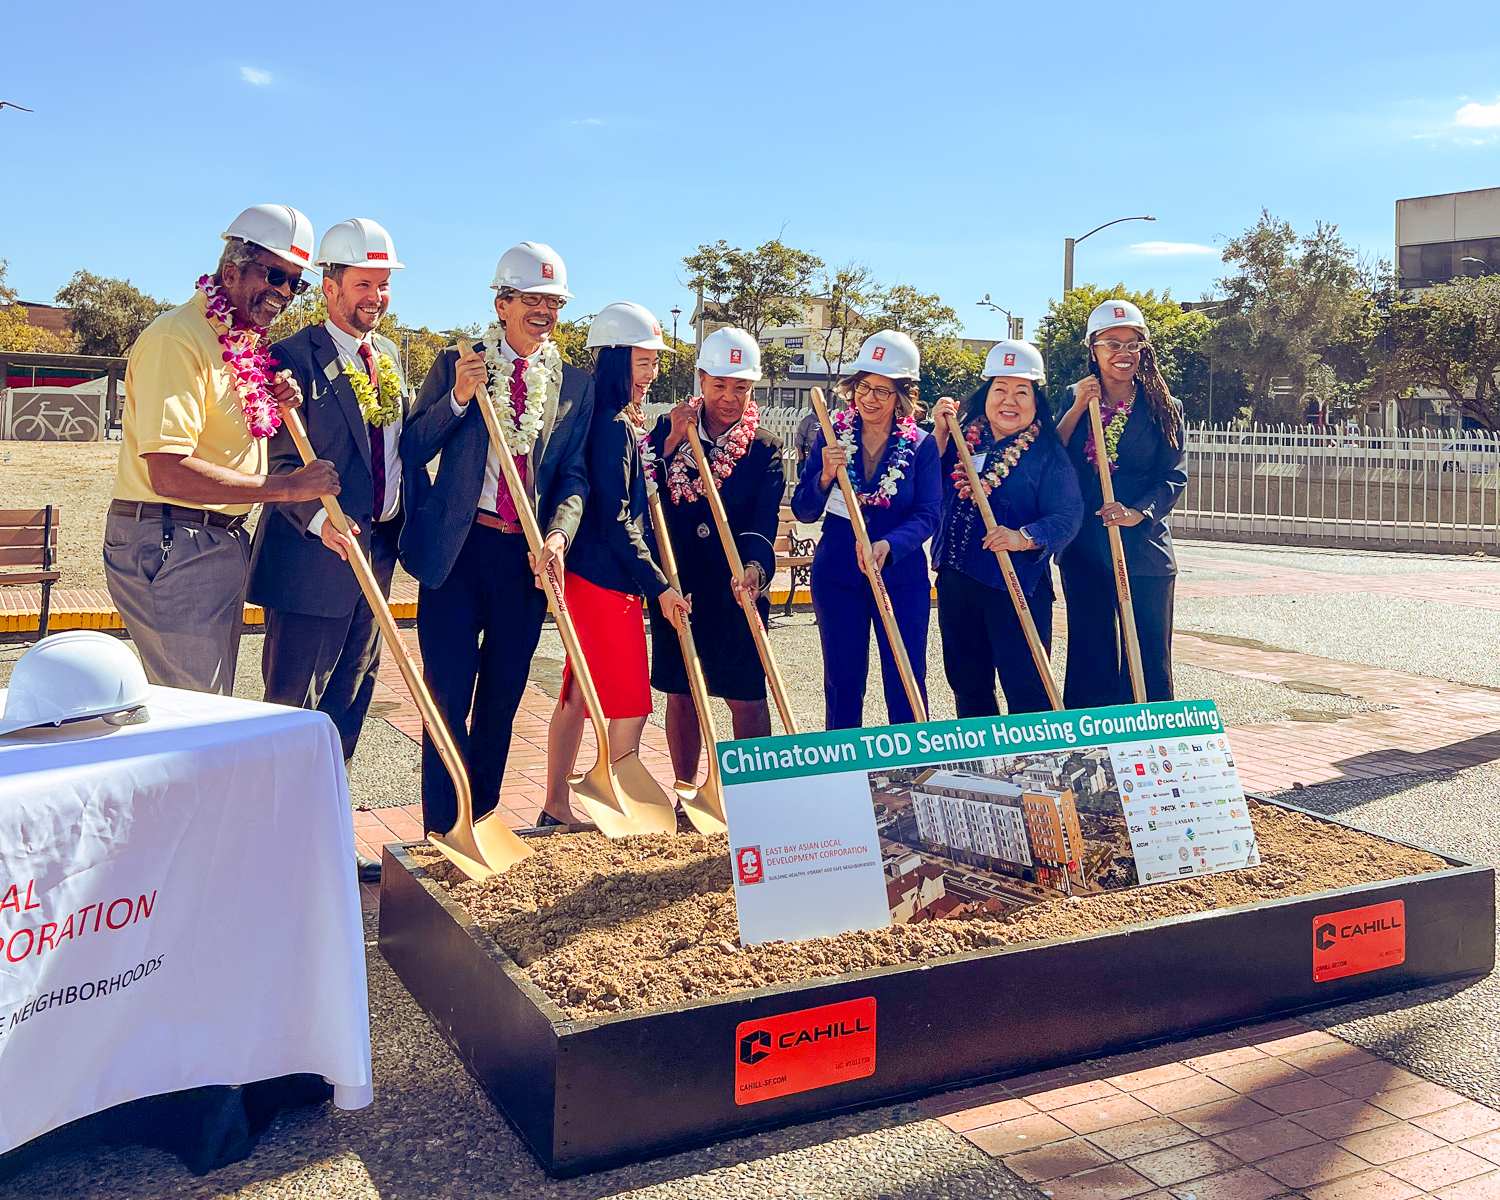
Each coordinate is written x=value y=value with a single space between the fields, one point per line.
x=1479 y=116
x=1167 y=249
x=589 y=121
x=252 y=75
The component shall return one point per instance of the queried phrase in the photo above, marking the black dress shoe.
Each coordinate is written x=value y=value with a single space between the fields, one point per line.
x=545 y=819
x=369 y=869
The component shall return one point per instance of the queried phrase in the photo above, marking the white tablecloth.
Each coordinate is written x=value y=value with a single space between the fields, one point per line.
x=178 y=907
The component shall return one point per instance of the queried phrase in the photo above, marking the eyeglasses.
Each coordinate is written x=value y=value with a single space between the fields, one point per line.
x=279 y=277
x=861 y=390
x=1115 y=347
x=534 y=300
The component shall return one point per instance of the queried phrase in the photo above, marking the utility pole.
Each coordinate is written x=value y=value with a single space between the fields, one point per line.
x=676 y=350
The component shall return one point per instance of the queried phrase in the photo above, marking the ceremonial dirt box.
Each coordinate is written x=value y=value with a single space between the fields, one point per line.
x=590 y=1094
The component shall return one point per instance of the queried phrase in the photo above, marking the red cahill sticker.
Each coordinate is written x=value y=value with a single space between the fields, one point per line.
x=301 y=253
x=803 y=1050
x=1119 y=312
x=1010 y=360
x=747 y=863
x=546 y=270
x=879 y=353
x=1358 y=940
x=736 y=356
x=376 y=254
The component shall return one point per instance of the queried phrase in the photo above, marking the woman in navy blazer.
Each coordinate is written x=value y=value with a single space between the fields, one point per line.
x=1144 y=436
x=1034 y=495
x=894 y=469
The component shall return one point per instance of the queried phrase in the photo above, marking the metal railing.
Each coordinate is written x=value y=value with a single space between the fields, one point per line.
x=1307 y=484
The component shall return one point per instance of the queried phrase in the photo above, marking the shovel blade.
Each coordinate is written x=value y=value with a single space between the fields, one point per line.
x=701 y=807
x=599 y=794
x=498 y=846
x=648 y=800
x=470 y=864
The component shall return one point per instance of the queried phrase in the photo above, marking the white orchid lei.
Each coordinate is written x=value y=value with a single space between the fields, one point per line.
x=649 y=459
x=846 y=428
x=721 y=462
x=999 y=465
x=380 y=409
x=543 y=380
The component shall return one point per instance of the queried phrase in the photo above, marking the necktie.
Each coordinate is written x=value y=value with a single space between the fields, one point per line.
x=376 y=434
x=505 y=504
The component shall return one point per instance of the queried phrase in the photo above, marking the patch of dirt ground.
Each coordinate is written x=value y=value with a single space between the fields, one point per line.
x=78 y=477
x=605 y=926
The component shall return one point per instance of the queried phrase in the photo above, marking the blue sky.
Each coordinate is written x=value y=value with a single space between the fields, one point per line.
x=948 y=146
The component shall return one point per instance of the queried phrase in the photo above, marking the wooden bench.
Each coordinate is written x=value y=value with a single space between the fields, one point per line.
x=794 y=554
x=28 y=538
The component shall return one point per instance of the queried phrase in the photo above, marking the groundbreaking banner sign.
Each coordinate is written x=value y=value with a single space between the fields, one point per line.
x=858 y=829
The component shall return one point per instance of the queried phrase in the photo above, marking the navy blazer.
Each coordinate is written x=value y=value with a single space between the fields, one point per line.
x=440 y=514
x=906 y=523
x=752 y=502
x=290 y=568
x=1150 y=475
x=610 y=550
x=1040 y=495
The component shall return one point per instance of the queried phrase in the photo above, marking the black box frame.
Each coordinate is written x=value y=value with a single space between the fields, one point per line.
x=590 y=1094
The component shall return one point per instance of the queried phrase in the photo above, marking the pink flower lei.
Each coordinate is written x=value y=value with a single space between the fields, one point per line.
x=846 y=425
x=248 y=355
x=721 y=461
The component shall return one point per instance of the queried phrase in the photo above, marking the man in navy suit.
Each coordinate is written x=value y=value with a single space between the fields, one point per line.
x=481 y=604
x=322 y=646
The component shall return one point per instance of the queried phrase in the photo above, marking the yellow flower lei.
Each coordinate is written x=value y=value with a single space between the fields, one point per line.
x=380 y=410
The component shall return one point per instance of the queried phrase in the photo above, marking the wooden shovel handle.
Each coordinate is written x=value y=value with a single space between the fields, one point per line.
x=872 y=572
x=1117 y=556
x=1007 y=568
x=432 y=719
x=737 y=571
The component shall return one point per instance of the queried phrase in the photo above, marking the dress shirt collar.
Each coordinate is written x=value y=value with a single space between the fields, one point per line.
x=346 y=343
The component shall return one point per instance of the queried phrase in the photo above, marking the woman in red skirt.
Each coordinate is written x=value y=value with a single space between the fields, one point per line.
x=610 y=568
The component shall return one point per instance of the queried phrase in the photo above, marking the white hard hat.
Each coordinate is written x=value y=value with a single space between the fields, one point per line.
x=888 y=353
x=358 y=242
x=730 y=353
x=1019 y=359
x=626 y=324
x=532 y=267
x=1114 y=313
x=73 y=676
x=283 y=231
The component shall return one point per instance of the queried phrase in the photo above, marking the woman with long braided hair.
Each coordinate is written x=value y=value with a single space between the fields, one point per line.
x=1146 y=455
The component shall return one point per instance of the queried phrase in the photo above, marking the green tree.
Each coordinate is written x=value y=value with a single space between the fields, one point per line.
x=849 y=294
x=16 y=330
x=1293 y=303
x=1178 y=337
x=107 y=315
x=753 y=289
x=679 y=378
x=948 y=370
x=571 y=338
x=922 y=316
x=1449 y=339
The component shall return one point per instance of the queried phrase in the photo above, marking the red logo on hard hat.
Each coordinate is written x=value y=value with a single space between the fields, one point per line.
x=301 y=253
x=376 y=254
x=879 y=353
x=546 y=270
x=1119 y=312
x=1010 y=360
x=736 y=355
x=656 y=329
x=747 y=863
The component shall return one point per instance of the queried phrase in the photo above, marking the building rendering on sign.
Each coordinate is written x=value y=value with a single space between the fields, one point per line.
x=1027 y=828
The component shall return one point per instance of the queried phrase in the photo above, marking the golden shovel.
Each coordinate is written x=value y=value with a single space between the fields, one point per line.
x=704 y=804
x=621 y=797
x=477 y=848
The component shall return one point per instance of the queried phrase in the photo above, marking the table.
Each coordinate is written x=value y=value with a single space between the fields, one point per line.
x=178 y=908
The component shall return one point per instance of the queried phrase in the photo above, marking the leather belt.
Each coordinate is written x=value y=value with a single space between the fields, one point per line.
x=141 y=511
x=494 y=521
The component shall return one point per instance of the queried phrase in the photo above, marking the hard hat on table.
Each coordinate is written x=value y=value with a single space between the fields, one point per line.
x=73 y=676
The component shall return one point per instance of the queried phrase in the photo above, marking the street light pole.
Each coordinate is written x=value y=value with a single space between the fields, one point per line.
x=1015 y=327
x=1069 y=243
x=676 y=350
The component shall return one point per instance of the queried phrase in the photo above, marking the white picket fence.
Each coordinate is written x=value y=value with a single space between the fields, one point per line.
x=782 y=422
x=1413 y=488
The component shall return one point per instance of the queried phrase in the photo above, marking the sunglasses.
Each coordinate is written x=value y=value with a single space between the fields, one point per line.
x=1115 y=347
x=280 y=277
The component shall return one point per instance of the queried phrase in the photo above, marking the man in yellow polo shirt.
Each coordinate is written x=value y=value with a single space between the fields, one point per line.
x=176 y=552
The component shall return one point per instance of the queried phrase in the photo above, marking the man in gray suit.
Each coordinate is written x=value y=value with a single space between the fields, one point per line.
x=322 y=647
x=481 y=604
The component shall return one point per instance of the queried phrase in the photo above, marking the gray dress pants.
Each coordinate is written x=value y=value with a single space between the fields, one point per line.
x=183 y=609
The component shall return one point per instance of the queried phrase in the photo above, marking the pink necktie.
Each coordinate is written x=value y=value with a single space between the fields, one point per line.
x=505 y=506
